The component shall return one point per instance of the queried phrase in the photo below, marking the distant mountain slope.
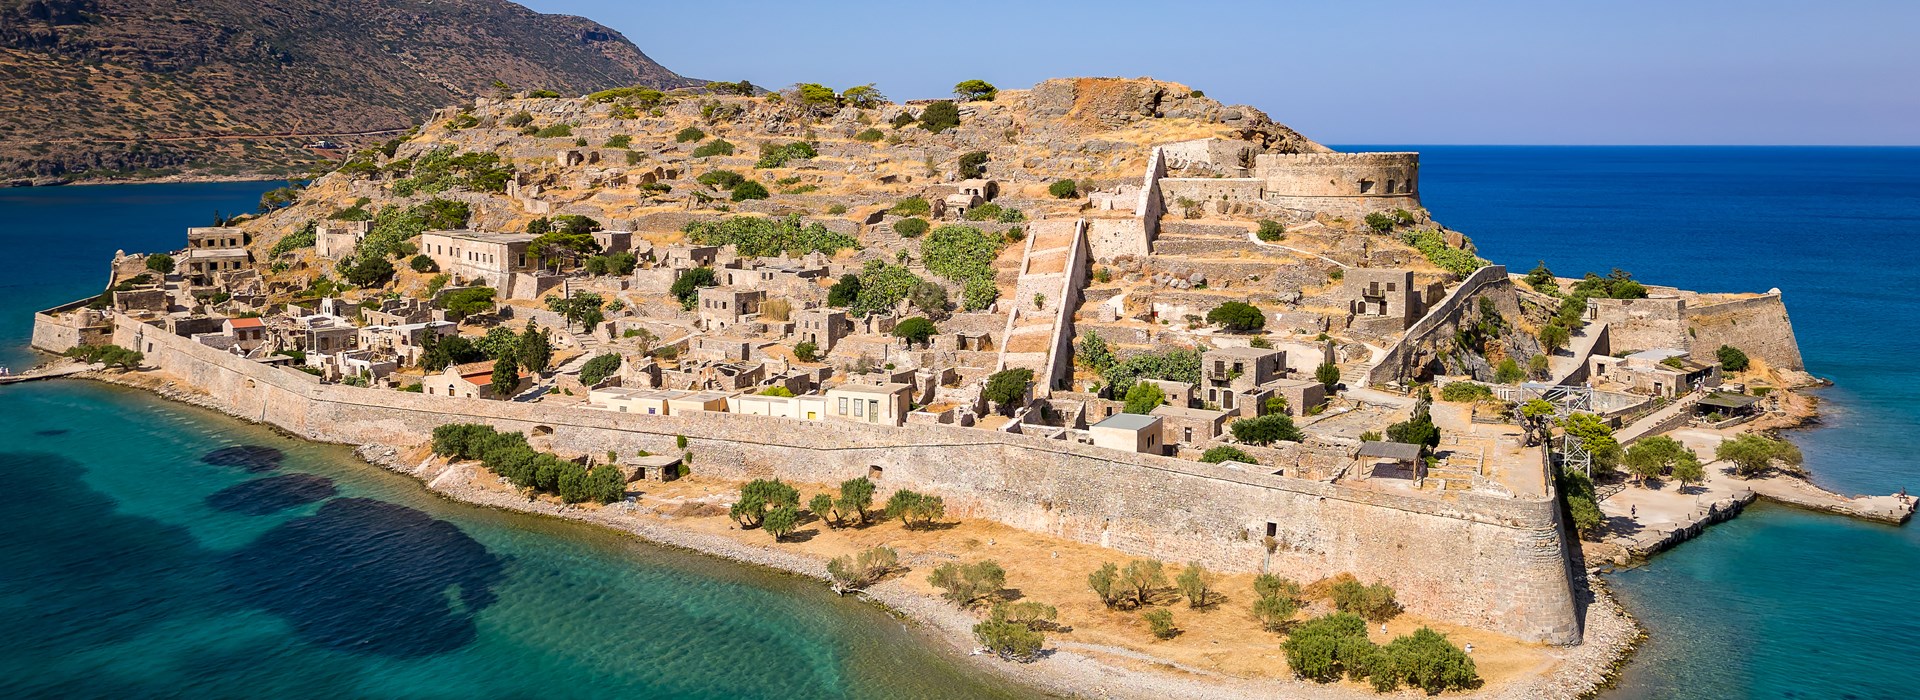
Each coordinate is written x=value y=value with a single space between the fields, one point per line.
x=113 y=86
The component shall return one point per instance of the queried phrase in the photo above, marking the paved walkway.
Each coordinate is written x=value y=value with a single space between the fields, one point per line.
x=50 y=371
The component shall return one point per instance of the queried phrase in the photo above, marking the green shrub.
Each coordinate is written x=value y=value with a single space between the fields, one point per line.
x=716 y=147
x=720 y=179
x=911 y=206
x=940 y=116
x=960 y=253
x=1466 y=391
x=1227 y=453
x=1064 y=189
x=599 y=368
x=554 y=131
x=1424 y=660
x=1009 y=640
x=1160 y=623
x=911 y=227
x=756 y=236
x=1271 y=231
x=1373 y=602
x=689 y=135
x=973 y=164
x=1325 y=648
x=1266 y=430
x=778 y=155
x=870 y=135
x=1237 y=316
x=1732 y=359
x=422 y=263
x=1435 y=248
x=902 y=119
x=975 y=90
x=749 y=190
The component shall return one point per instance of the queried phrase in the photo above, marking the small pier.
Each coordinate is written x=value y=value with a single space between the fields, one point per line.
x=49 y=372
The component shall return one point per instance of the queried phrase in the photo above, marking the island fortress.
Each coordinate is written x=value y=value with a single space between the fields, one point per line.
x=1106 y=310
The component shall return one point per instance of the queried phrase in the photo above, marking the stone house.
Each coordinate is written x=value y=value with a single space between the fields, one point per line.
x=214 y=249
x=614 y=241
x=722 y=308
x=491 y=258
x=1380 y=301
x=1229 y=373
x=822 y=327
x=870 y=403
x=795 y=407
x=473 y=380
x=1665 y=372
x=338 y=239
x=1129 y=432
x=406 y=342
x=1189 y=426
x=247 y=333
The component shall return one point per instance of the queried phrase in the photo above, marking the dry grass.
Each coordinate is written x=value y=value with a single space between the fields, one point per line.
x=1223 y=638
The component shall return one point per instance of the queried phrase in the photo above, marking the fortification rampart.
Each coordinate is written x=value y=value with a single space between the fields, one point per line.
x=1342 y=184
x=1759 y=326
x=1471 y=559
x=1652 y=323
x=1403 y=359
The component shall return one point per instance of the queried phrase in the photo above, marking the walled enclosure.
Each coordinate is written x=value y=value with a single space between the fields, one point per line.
x=1757 y=325
x=1470 y=559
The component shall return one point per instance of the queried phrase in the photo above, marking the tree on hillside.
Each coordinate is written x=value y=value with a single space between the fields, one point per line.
x=535 y=348
x=161 y=263
x=506 y=376
x=583 y=308
x=1143 y=397
x=1006 y=387
x=1328 y=374
x=975 y=90
x=916 y=330
x=1732 y=359
x=1650 y=458
x=1554 y=336
x=1237 y=316
x=856 y=495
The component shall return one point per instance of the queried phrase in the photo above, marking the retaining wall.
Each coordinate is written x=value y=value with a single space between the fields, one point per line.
x=1470 y=559
x=1758 y=326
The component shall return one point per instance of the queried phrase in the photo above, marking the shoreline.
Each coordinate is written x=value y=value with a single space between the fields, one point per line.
x=178 y=179
x=1578 y=672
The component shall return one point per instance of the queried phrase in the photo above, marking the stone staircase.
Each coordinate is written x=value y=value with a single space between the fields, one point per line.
x=1054 y=248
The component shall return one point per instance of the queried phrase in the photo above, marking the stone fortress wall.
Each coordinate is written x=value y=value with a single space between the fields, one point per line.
x=1758 y=325
x=1470 y=559
x=1341 y=184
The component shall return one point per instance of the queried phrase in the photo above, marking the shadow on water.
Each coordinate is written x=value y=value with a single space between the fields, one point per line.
x=63 y=538
x=252 y=458
x=51 y=432
x=272 y=494
x=370 y=577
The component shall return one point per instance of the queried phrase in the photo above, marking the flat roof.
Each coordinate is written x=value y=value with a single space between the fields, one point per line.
x=1391 y=450
x=484 y=236
x=1184 y=412
x=1128 y=421
x=1729 y=400
x=1242 y=351
x=853 y=388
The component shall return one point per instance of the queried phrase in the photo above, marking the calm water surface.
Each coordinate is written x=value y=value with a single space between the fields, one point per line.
x=1780 y=603
x=157 y=550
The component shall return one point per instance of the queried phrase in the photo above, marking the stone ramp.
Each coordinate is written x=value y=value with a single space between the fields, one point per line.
x=1046 y=295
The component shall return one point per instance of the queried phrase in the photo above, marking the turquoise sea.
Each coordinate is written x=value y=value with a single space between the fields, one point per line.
x=1779 y=603
x=149 y=549
x=146 y=556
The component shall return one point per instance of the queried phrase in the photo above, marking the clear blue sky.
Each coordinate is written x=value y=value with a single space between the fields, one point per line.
x=1538 y=72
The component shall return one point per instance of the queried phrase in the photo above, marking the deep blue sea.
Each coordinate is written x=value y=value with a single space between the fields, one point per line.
x=149 y=549
x=1779 y=603
x=144 y=556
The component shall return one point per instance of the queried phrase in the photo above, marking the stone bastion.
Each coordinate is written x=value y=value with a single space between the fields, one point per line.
x=1341 y=184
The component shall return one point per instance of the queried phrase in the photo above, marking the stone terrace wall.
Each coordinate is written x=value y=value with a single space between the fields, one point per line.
x=1330 y=182
x=1758 y=326
x=1475 y=560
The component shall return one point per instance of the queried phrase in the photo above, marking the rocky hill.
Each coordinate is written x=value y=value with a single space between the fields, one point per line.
x=115 y=88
